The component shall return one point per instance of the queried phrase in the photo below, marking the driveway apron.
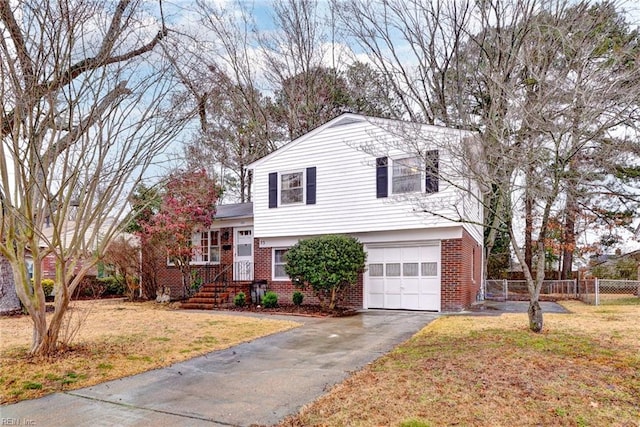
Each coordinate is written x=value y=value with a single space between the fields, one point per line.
x=259 y=382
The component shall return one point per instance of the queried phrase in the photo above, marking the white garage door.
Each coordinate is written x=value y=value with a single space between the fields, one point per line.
x=404 y=277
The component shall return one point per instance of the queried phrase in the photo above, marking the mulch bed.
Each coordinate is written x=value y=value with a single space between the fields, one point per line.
x=302 y=310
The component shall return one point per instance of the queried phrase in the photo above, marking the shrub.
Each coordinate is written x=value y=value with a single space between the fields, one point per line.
x=330 y=264
x=89 y=287
x=270 y=300
x=47 y=286
x=113 y=285
x=297 y=297
x=240 y=299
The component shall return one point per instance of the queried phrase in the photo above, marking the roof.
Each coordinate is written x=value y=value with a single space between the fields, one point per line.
x=234 y=210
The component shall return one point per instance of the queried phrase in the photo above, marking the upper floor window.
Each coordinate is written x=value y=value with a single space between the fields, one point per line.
x=407 y=175
x=410 y=174
x=291 y=188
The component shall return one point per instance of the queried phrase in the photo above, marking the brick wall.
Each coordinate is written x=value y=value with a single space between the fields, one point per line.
x=461 y=272
x=171 y=277
x=262 y=259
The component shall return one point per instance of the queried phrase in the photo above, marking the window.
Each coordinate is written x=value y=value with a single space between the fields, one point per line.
x=376 y=270
x=393 y=270
x=244 y=243
x=429 y=268
x=278 y=264
x=206 y=249
x=407 y=175
x=410 y=269
x=291 y=188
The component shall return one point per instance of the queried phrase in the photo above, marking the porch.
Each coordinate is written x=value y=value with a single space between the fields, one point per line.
x=219 y=284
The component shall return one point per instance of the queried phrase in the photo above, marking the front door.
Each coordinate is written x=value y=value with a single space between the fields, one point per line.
x=243 y=254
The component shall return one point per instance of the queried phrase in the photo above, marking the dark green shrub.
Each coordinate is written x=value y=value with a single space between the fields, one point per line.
x=297 y=297
x=270 y=300
x=47 y=286
x=240 y=299
x=330 y=264
x=113 y=285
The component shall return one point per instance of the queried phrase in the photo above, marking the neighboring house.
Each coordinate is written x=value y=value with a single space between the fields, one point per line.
x=615 y=266
x=356 y=175
x=67 y=232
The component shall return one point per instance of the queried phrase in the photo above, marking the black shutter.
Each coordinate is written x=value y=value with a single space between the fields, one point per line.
x=311 y=186
x=382 y=177
x=273 y=190
x=431 y=172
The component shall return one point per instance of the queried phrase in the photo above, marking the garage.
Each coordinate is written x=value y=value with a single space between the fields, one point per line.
x=403 y=277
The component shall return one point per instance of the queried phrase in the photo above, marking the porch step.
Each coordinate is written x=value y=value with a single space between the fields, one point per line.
x=212 y=294
x=208 y=297
x=200 y=299
x=198 y=306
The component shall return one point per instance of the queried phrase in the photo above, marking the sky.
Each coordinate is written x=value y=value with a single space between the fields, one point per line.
x=181 y=14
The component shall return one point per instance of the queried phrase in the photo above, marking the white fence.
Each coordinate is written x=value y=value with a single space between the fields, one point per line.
x=591 y=291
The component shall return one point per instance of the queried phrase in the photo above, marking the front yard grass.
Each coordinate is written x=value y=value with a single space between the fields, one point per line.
x=583 y=370
x=117 y=339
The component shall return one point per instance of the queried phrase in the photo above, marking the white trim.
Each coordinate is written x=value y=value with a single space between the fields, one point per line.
x=303 y=185
x=391 y=175
x=273 y=265
x=412 y=244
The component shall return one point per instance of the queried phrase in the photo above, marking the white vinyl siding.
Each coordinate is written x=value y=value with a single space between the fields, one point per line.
x=346 y=188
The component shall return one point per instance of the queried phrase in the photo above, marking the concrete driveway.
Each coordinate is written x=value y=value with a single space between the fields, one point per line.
x=259 y=382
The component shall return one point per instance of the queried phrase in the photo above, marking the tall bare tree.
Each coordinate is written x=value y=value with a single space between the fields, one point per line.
x=552 y=98
x=222 y=76
x=86 y=109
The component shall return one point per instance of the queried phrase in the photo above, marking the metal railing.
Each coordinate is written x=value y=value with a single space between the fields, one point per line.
x=243 y=271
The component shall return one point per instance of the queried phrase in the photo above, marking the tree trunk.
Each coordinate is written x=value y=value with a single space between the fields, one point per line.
x=9 y=301
x=528 y=227
x=569 y=240
x=535 y=316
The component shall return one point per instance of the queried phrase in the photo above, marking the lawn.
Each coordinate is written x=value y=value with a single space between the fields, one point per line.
x=583 y=370
x=117 y=339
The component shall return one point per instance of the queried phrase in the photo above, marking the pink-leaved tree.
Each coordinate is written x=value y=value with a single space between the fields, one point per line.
x=188 y=206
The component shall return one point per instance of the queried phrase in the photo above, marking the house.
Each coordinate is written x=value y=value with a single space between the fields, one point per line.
x=363 y=177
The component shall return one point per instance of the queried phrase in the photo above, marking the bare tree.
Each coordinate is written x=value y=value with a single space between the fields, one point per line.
x=550 y=89
x=86 y=109
x=222 y=77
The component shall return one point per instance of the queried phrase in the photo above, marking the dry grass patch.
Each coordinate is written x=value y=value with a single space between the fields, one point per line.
x=583 y=370
x=118 y=339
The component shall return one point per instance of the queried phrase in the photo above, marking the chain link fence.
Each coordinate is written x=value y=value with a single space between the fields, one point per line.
x=517 y=290
x=590 y=291
x=598 y=291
